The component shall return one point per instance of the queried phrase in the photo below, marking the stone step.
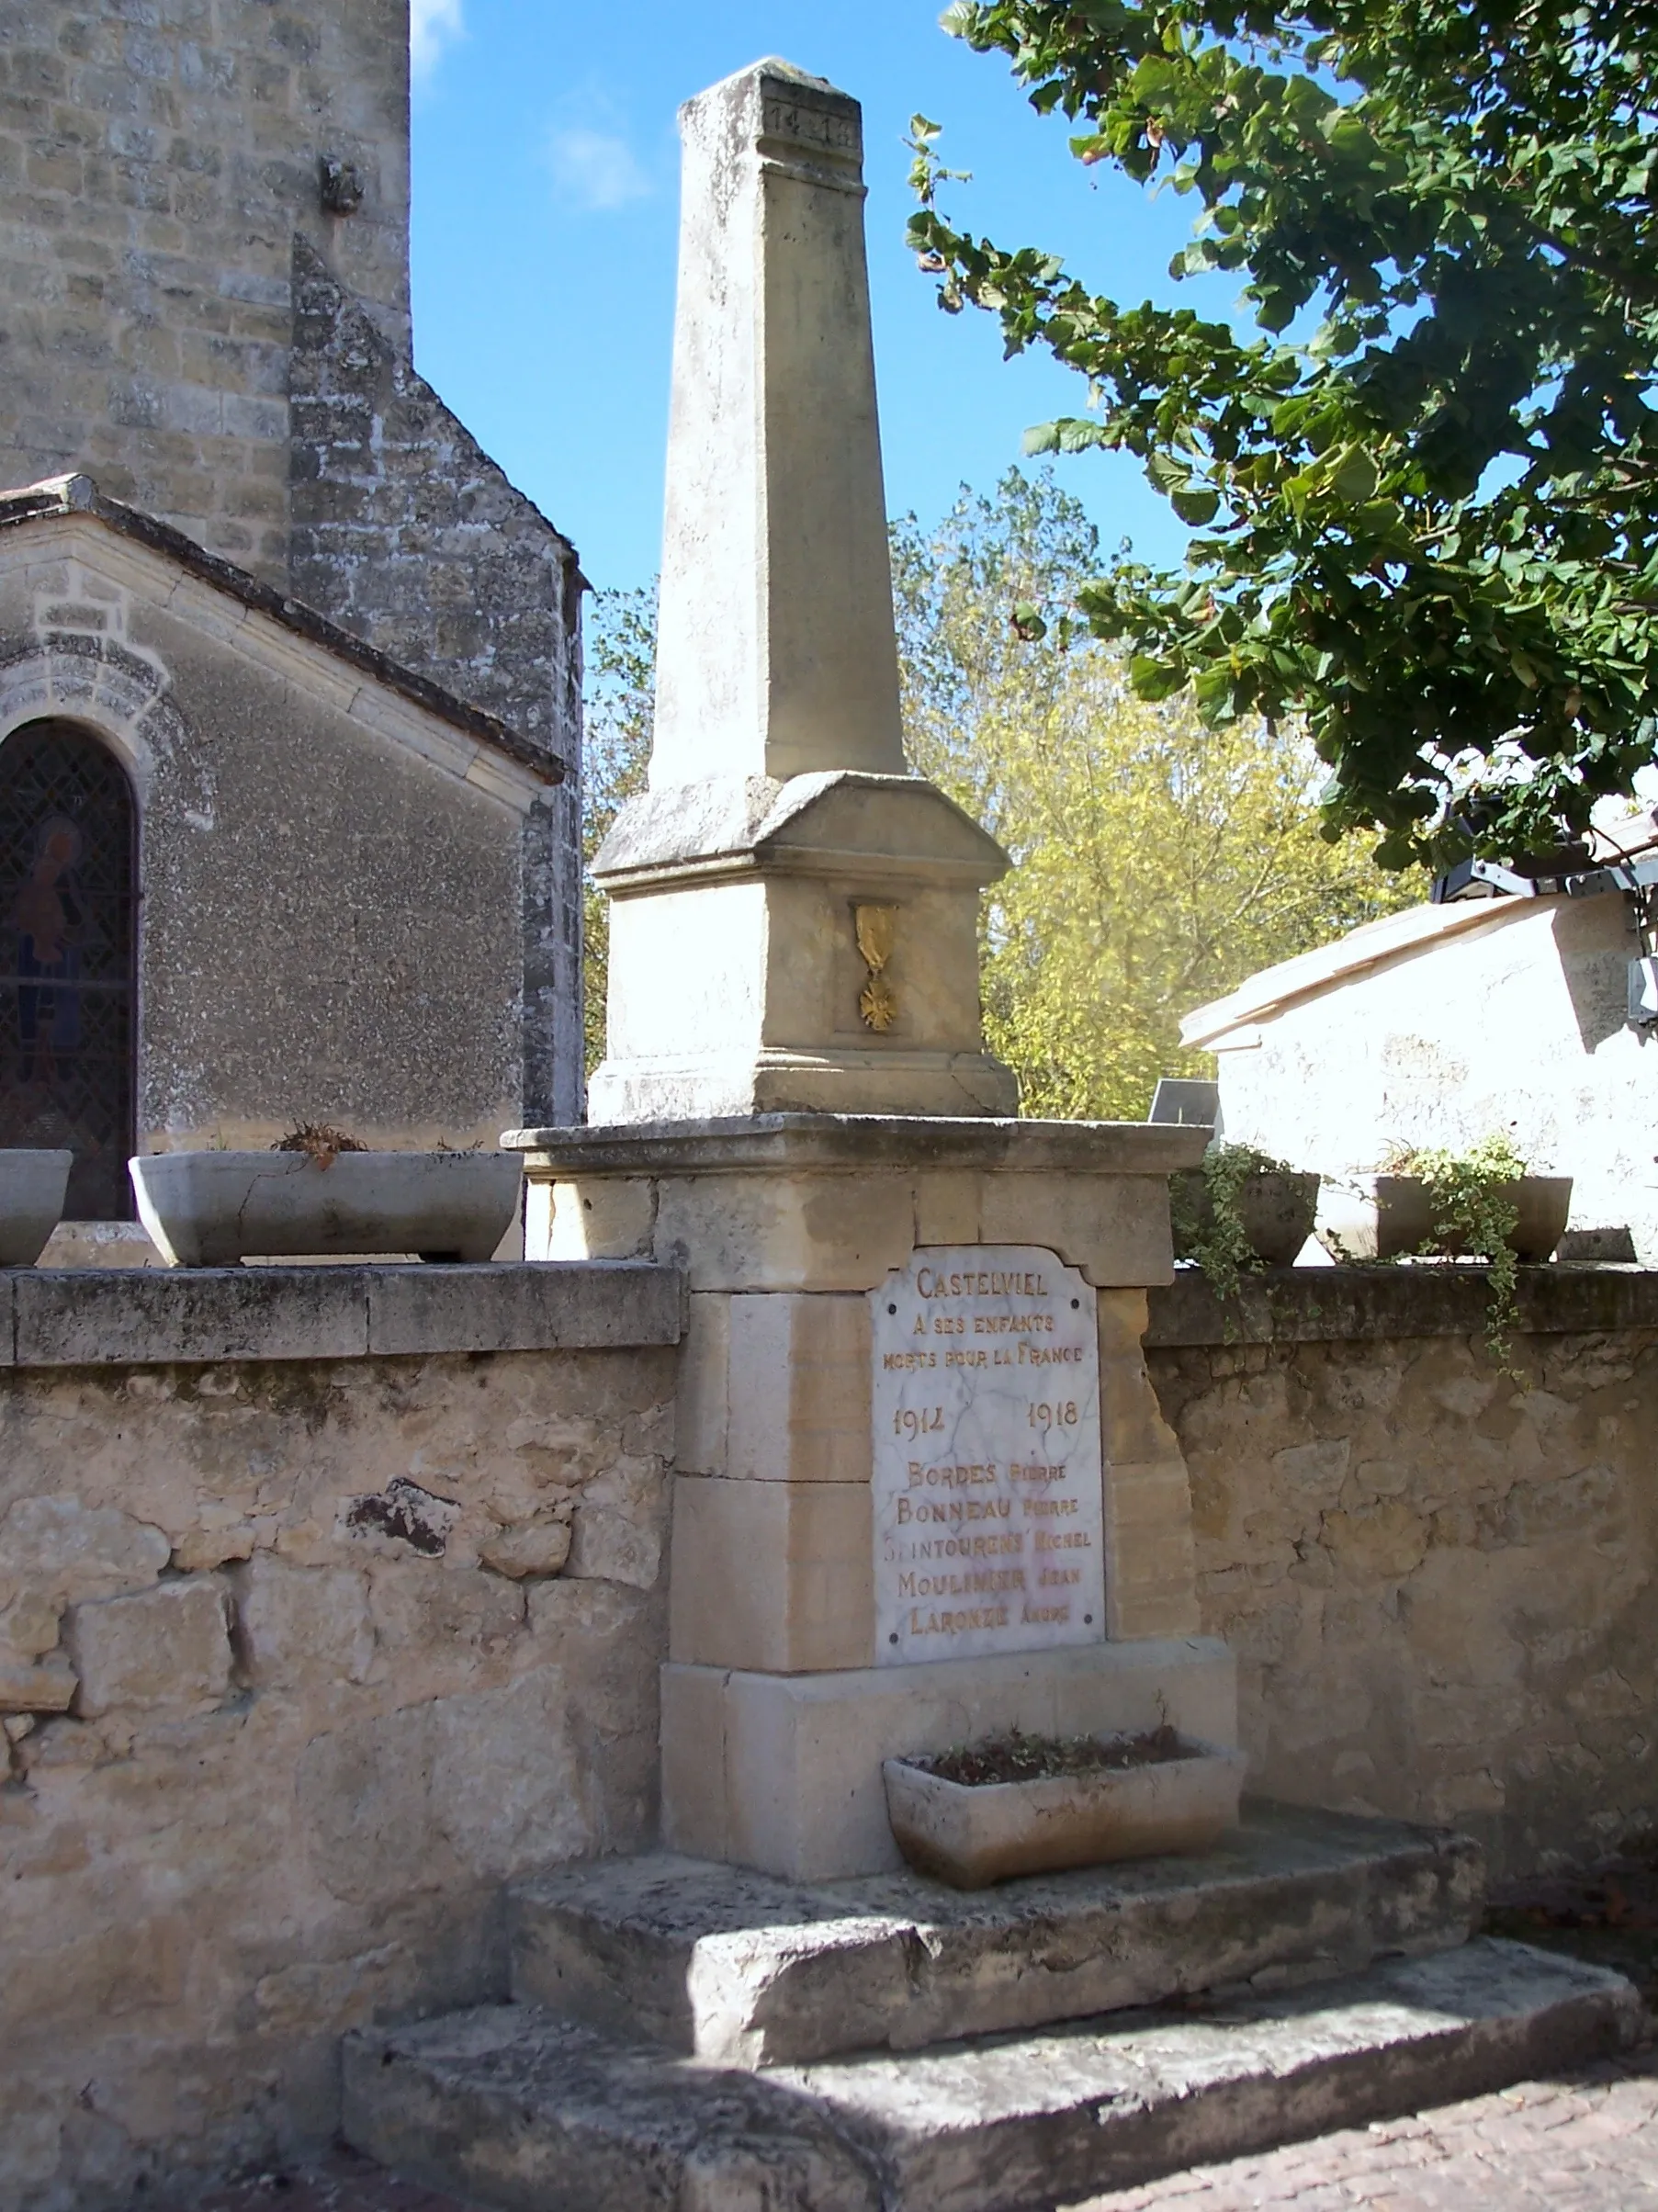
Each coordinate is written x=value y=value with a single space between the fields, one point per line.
x=514 y=2108
x=746 y=1970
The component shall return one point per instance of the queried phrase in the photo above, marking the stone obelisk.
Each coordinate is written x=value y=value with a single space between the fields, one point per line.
x=922 y=1490
x=794 y=916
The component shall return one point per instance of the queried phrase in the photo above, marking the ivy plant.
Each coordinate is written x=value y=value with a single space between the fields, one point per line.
x=1425 y=487
x=1475 y=1212
x=1206 y=1214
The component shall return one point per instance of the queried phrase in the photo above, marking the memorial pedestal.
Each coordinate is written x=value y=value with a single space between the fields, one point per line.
x=924 y=1492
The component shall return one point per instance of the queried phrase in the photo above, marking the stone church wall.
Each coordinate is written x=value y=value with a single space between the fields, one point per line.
x=410 y=535
x=351 y=1636
x=332 y=879
x=185 y=319
x=1439 y=1584
x=155 y=162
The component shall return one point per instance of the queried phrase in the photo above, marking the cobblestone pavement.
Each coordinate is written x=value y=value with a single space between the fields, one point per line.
x=1587 y=2143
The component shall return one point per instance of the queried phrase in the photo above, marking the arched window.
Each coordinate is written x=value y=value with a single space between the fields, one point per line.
x=67 y=937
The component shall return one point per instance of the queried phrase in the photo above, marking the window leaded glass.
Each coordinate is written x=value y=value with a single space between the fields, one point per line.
x=66 y=959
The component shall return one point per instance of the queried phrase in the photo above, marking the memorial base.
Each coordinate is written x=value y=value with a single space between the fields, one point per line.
x=782 y=1772
x=913 y=1418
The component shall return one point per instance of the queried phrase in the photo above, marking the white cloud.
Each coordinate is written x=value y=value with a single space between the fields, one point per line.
x=433 y=24
x=597 y=169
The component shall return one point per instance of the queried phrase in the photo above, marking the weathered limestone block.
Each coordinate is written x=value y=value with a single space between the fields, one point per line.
x=540 y=1548
x=603 y=1635
x=1150 y=1570
x=620 y=1525
x=798 y=1390
x=439 y=1626
x=65 y=1551
x=786 y=1233
x=702 y=1427
x=615 y=1220
x=219 y=1540
x=167 y=1648
x=28 y=1624
x=1114 y=1227
x=46 y=1688
x=773 y=1576
x=301 y=1627
x=1131 y=1424
x=482 y=1785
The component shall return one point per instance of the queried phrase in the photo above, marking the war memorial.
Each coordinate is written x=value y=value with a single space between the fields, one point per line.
x=457 y=1707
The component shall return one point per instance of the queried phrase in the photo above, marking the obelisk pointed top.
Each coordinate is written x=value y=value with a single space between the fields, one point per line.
x=773 y=66
x=776 y=654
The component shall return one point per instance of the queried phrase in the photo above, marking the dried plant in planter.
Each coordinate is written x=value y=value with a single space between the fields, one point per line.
x=323 y=1142
x=1018 y=1757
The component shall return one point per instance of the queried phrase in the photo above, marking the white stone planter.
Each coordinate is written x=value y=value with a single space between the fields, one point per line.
x=215 y=1209
x=31 y=1201
x=1384 y=1217
x=971 y=1836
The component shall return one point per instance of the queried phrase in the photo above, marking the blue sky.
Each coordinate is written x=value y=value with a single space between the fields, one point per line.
x=545 y=206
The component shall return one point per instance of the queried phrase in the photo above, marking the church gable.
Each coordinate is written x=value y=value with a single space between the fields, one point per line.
x=324 y=914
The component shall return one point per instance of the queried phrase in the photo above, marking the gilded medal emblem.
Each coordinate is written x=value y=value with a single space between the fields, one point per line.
x=877 y=931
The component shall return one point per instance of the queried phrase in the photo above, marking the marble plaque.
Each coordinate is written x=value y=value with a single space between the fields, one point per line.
x=987 y=1487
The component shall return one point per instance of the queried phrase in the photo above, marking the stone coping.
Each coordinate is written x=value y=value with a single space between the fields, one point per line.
x=1311 y=1305
x=138 y=1318
x=766 y=1142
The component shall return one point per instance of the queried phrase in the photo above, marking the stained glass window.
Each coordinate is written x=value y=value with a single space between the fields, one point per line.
x=67 y=904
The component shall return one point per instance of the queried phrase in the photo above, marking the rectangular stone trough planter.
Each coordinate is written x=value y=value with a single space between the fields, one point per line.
x=216 y=1209
x=1276 y=1210
x=31 y=1202
x=1384 y=1217
x=971 y=1836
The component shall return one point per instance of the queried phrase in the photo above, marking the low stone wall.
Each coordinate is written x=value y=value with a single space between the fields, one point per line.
x=317 y=1622
x=1437 y=1580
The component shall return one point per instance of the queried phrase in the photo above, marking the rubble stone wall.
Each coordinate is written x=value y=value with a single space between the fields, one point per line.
x=301 y=1658
x=1437 y=1576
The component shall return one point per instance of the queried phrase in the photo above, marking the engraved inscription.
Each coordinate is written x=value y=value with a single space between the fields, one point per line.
x=831 y=128
x=987 y=1479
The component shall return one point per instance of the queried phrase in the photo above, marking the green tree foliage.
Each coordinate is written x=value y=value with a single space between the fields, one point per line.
x=1158 y=862
x=620 y=693
x=1427 y=492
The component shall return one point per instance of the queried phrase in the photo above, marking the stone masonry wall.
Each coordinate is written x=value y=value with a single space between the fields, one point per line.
x=407 y=534
x=156 y=158
x=186 y=318
x=299 y=1659
x=1437 y=1580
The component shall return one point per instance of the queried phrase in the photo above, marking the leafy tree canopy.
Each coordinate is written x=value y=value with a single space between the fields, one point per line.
x=620 y=687
x=1158 y=862
x=1426 y=487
